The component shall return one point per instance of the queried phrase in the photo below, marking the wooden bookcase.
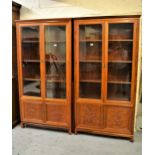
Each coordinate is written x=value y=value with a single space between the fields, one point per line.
x=105 y=75
x=44 y=69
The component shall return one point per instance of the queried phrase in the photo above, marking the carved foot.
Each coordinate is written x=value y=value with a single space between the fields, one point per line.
x=22 y=125
x=70 y=131
x=132 y=139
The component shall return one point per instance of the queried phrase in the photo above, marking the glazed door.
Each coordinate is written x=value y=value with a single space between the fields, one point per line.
x=89 y=75
x=120 y=61
x=29 y=61
x=89 y=61
x=57 y=68
x=55 y=62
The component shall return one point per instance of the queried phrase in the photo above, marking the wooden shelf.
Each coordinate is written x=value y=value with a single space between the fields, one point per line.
x=121 y=40
x=57 y=61
x=119 y=82
x=92 y=61
x=30 y=41
x=31 y=60
x=31 y=79
x=90 y=40
x=91 y=81
x=56 y=41
x=119 y=61
x=61 y=81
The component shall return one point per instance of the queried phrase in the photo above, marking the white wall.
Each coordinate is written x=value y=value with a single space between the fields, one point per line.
x=35 y=9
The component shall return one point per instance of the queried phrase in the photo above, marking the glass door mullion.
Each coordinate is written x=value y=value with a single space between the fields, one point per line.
x=42 y=60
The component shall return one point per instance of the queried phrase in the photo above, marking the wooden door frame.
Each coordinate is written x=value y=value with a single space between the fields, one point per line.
x=67 y=100
x=77 y=23
x=19 y=59
x=135 y=22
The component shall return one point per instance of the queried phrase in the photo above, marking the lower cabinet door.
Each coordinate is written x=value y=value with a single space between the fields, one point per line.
x=88 y=115
x=56 y=114
x=117 y=119
x=33 y=111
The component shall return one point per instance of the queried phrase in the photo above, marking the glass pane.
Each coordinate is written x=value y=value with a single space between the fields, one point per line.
x=91 y=50
x=120 y=51
x=55 y=90
x=55 y=53
x=121 y=31
x=30 y=33
x=120 y=61
x=90 y=71
x=119 y=92
x=31 y=61
x=90 y=90
x=91 y=32
x=90 y=61
x=119 y=72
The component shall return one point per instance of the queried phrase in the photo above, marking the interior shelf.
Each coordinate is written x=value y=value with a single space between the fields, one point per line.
x=56 y=41
x=120 y=61
x=90 y=40
x=57 y=61
x=55 y=80
x=31 y=60
x=30 y=41
x=91 y=81
x=94 y=61
x=31 y=79
x=121 y=40
x=119 y=82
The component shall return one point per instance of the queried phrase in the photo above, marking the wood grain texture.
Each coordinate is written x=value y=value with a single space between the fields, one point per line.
x=117 y=116
x=41 y=110
x=89 y=115
x=117 y=119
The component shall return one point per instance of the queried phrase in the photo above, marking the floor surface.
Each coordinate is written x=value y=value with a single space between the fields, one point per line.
x=36 y=141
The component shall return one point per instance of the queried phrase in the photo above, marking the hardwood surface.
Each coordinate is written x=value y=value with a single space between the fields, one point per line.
x=104 y=64
x=113 y=112
x=51 y=106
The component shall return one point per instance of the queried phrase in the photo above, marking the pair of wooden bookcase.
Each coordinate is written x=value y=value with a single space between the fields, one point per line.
x=79 y=73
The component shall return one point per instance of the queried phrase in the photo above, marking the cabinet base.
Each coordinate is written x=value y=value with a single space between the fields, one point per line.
x=24 y=124
x=116 y=135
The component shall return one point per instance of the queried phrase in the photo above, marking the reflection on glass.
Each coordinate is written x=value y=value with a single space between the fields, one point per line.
x=30 y=33
x=31 y=61
x=90 y=47
x=90 y=71
x=91 y=32
x=120 y=50
x=30 y=51
x=119 y=92
x=119 y=72
x=55 y=54
x=55 y=71
x=90 y=50
x=120 y=61
x=31 y=88
x=31 y=70
x=55 y=90
x=121 y=31
x=90 y=90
